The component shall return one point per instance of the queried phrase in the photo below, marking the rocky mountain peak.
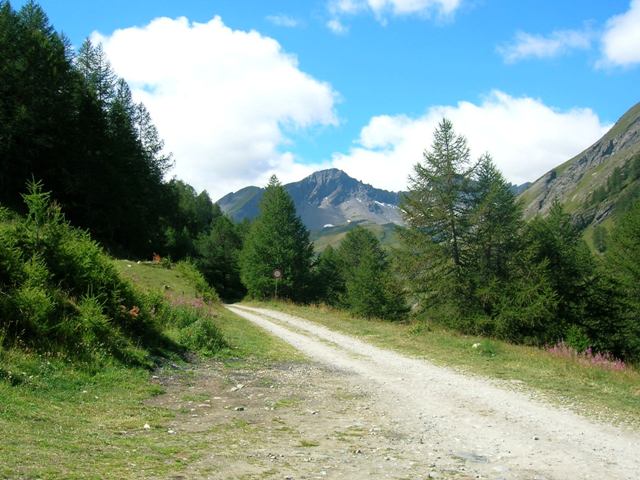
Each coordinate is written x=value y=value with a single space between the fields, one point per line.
x=327 y=197
x=326 y=176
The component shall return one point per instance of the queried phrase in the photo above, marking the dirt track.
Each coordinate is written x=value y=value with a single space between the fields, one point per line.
x=456 y=423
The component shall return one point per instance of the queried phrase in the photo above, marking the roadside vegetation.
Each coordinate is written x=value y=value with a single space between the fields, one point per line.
x=466 y=259
x=79 y=344
x=588 y=385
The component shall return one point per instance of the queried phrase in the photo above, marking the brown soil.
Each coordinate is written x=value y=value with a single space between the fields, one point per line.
x=293 y=421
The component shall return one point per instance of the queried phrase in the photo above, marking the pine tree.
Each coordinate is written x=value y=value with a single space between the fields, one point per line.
x=150 y=141
x=600 y=237
x=495 y=223
x=439 y=198
x=623 y=265
x=496 y=219
x=37 y=111
x=91 y=62
x=277 y=240
x=556 y=243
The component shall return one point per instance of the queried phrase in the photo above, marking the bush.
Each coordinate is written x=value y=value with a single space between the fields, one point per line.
x=61 y=293
x=202 y=336
x=577 y=339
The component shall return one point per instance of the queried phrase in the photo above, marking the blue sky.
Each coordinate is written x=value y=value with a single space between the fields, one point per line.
x=360 y=84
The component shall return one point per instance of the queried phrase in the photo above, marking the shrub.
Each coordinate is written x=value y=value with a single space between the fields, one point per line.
x=577 y=339
x=47 y=265
x=33 y=308
x=202 y=336
x=60 y=292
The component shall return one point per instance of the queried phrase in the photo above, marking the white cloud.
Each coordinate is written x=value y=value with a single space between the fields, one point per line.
x=526 y=45
x=281 y=20
x=525 y=137
x=621 y=39
x=381 y=9
x=337 y=27
x=395 y=7
x=220 y=98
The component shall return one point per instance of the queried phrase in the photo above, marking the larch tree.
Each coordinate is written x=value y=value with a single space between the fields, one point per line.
x=623 y=264
x=437 y=209
x=495 y=223
x=439 y=201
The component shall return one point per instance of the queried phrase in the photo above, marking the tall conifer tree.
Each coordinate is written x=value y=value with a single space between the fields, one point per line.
x=436 y=209
x=277 y=240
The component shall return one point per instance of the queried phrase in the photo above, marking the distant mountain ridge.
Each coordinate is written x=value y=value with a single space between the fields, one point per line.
x=324 y=198
x=599 y=183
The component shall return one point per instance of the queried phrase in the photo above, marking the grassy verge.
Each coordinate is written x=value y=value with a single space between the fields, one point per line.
x=608 y=395
x=69 y=420
x=66 y=421
x=245 y=339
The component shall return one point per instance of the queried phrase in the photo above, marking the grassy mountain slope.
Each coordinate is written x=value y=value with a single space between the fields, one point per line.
x=386 y=233
x=241 y=204
x=598 y=184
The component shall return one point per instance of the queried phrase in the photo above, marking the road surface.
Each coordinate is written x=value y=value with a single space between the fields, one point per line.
x=493 y=431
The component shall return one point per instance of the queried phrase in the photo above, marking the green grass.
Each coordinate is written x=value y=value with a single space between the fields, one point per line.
x=610 y=395
x=286 y=402
x=153 y=276
x=244 y=339
x=333 y=236
x=64 y=420
x=308 y=443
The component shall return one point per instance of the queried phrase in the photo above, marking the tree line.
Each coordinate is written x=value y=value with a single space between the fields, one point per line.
x=466 y=260
x=471 y=262
x=68 y=121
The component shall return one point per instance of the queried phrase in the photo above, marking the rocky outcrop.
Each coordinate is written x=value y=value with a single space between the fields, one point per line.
x=573 y=182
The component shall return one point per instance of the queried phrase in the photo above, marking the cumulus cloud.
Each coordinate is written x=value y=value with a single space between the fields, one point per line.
x=222 y=99
x=281 y=20
x=527 y=45
x=525 y=137
x=382 y=9
x=621 y=38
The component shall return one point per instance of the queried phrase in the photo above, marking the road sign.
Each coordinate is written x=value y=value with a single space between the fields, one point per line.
x=277 y=274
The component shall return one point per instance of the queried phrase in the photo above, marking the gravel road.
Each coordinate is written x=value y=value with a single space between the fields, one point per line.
x=498 y=433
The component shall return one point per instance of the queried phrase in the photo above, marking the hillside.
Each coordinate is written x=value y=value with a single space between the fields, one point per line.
x=599 y=183
x=323 y=199
x=333 y=236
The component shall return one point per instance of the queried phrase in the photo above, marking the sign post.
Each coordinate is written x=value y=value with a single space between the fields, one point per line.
x=277 y=275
